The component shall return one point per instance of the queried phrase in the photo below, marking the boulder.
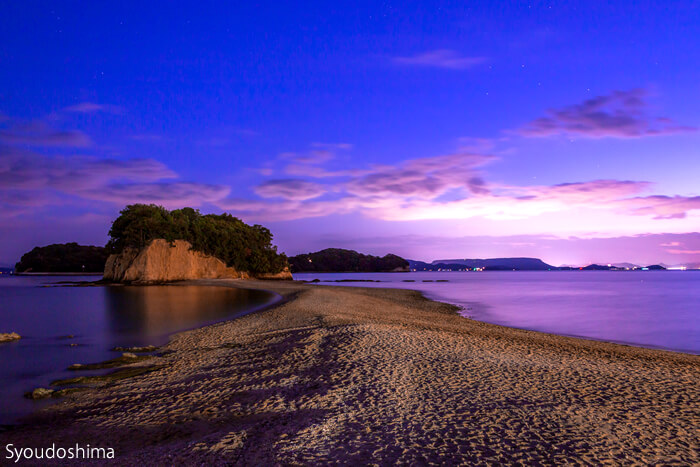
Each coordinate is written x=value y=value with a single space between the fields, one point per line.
x=39 y=393
x=9 y=337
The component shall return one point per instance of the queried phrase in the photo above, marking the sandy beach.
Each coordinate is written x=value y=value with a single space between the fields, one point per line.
x=381 y=376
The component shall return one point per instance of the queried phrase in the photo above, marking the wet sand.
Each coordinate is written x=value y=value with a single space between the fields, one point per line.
x=362 y=376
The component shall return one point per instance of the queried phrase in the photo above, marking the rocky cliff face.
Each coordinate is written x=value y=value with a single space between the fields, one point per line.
x=162 y=262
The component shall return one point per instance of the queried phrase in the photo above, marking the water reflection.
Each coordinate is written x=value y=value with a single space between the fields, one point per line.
x=141 y=314
x=96 y=319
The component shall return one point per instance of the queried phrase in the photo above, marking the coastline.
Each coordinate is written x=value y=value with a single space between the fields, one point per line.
x=386 y=375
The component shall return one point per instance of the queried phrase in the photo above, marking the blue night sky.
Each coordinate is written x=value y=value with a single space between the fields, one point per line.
x=562 y=130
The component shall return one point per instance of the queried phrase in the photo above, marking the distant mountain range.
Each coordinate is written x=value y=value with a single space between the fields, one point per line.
x=492 y=264
x=526 y=264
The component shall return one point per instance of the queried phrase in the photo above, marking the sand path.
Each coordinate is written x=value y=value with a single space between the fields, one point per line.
x=361 y=376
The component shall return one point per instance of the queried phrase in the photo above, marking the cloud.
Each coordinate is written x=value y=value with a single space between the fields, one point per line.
x=314 y=157
x=168 y=194
x=313 y=171
x=450 y=187
x=91 y=107
x=27 y=170
x=441 y=58
x=289 y=209
x=39 y=134
x=308 y=164
x=290 y=189
x=684 y=252
x=30 y=179
x=332 y=146
x=661 y=207
x=426 y=177
x=621 y=114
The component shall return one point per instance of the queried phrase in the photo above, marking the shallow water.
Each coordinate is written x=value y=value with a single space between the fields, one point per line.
x=659 y=309
x=99 y=318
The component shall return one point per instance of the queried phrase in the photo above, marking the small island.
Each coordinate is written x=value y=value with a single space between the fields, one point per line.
x=150 y=244
x=339 y=260
x=63 y=257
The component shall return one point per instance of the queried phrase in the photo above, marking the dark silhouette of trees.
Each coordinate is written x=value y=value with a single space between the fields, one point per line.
x=339 y=260
x=66 y=257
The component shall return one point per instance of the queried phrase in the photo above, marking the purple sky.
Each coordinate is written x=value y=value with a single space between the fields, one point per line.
x=565 y=133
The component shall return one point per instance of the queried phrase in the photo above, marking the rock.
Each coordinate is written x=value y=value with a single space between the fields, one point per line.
x=161 y=261
x=9 y=337
x=39 y=393
x=129 y=355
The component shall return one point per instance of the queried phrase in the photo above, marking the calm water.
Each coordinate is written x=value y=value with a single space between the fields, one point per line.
x=99 y=318
x=646 y=308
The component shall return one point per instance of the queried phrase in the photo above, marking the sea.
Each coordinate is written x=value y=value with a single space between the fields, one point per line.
x=655 y=309
x=61 y=325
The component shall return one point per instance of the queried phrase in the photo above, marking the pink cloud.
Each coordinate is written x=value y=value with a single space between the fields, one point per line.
x=621 y=114
x=662 y=207
x=684 y=252
x=451 y=187
x=441 y=58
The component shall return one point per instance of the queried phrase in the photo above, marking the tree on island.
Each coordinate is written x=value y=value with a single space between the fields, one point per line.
x=239 y=245
x=339 y=260
x=65 y=257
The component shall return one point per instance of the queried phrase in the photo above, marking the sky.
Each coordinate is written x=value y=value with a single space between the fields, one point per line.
x=568 y=131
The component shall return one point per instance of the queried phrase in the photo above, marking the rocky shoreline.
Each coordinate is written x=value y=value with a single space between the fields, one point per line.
x=354 y=375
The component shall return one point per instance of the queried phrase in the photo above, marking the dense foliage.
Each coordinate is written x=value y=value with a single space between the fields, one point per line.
x=66 y=257
x=339 y=260
x=239 y=245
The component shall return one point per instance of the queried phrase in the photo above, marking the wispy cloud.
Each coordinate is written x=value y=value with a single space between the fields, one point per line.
x=662 y=207
x=30 y=179
x=449 y=187
x=426 y=177
x=440 y=58
x=91 y=107
x=27 y=170
x=621 y=114
x=40 y=134
x=290 y=189
x=168 y=194
x=684 y=252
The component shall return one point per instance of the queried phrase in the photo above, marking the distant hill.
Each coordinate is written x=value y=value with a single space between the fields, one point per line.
x=500 y=264
x=626 y=265
x=339 y=260
x=64 y=257
x=423 y=266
